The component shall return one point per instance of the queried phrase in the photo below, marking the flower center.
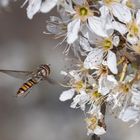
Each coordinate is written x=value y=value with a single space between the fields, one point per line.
x=96 y=94
x=83 y=11
x=79 y=85
x=125 y=88
x=133 y=28
x=92 y=122
x=130 y=4
x=107 y=44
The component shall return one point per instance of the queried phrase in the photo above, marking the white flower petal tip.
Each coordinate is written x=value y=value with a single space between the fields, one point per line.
x=99 y=130
x=116 y=40
x=33 y=8
x=130 y=114
x=67 y=95
x=73 y=29
x=112 y=62
x=48 y=5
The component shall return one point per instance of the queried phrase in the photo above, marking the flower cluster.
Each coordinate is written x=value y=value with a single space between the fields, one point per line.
x=105 y=37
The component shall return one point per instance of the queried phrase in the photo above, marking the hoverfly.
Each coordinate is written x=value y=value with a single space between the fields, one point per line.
x=35 y=77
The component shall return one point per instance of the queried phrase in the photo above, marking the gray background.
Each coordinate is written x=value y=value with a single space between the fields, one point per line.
x=40 y=116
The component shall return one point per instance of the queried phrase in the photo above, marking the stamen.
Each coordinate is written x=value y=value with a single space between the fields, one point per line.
x=107 y=44
x=78 y=85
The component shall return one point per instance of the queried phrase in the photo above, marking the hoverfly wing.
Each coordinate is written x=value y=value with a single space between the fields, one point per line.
x=17 y=74
x=51 y=81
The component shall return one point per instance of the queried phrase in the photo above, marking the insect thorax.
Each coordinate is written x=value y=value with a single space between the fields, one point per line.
x=43 y=71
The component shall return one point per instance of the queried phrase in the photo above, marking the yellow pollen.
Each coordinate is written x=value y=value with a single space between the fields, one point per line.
x=79 y=85
x=125 y=88
x=130 y=4
x=133 y=28
x=83 y=11
x=96 y=94
x=107 y=44
x=92 y=122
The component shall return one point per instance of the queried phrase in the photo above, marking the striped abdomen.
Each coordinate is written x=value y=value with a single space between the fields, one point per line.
x=23 y=90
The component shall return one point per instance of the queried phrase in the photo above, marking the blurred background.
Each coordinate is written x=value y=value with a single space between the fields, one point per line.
x=40 y=116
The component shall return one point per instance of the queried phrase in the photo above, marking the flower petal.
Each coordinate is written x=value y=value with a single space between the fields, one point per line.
x=85 y=44
x=96 y=25
x=67 y=95
x=73 y=29
x=135 y=95
x=69 y=7
x=75 y=75
x=104 y=11
x=33 y=8
x=119 y=27
x=94 y=59
x=106 y=20
x=138 y=17
x=132 y=39
x=81 y=100
x=122 y=12
x=129 y=114
x=99 y=130
x=106 y=83
x=112 y=62
x=116 y=40
x=48 y=5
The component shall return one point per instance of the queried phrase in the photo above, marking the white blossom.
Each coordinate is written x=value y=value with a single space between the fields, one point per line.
x=106 y=84
x=67 y=95
x=81 y=15
x=119 y=10
x=104 y=36
x=130 y=114
x=80 y=100
x=35 y=6
x=96 y=56
x=92 y=124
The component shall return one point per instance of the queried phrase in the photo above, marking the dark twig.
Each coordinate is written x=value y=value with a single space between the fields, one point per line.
x=95 y=137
